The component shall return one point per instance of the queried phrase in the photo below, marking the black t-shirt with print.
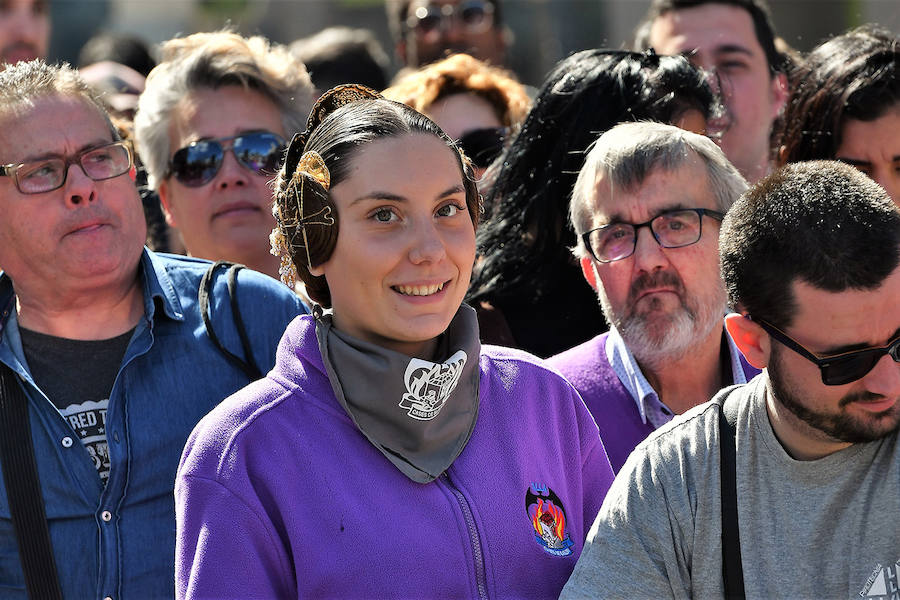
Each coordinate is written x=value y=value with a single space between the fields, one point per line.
x=78 y=376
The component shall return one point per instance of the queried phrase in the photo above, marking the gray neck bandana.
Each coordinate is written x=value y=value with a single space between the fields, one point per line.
x=419 y=414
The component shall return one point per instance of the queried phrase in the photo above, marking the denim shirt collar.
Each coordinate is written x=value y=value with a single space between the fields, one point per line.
x=629 y=372
x=156 y=284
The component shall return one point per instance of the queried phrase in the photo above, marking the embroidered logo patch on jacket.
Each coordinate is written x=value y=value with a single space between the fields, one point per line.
x=548 y=518
x=429 y=385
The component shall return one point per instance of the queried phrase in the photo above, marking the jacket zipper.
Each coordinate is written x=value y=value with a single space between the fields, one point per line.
x=480 y=577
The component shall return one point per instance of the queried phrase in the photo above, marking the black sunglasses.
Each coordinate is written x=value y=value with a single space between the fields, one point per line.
x=837 y=369
x=482 y=146
x=198 y=163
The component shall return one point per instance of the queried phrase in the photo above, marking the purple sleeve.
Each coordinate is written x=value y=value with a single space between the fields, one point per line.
x=225 y=547
x=596 y=473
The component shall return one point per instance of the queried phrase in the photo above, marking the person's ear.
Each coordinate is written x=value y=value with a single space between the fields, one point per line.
x=589 y=271
x=780 y=94
x=317 y=271
x=782 y=154
x=751 y=339
x=166 y=201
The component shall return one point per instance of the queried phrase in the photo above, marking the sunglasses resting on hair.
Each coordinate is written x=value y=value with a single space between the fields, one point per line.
x=198 y=163
x=837 y=369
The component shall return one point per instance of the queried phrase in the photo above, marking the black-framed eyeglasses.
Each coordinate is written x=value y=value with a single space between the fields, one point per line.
x=836 y=369
x=670 y=229
x=198 y=163
x=482 y=146
x=48 y=174
x=475 y=16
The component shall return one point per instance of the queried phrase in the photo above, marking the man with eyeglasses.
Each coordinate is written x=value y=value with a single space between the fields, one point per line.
x=427 y=30
x=211 y=127
x=106 y=363
x=796 y=474
x=647 y=206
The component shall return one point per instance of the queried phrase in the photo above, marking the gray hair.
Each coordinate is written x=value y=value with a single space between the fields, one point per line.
x=23 y=83
x=213 y=60
x=628 y=153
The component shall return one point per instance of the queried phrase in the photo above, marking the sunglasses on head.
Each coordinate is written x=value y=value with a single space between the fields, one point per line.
x=198 y=163
x=837 y=369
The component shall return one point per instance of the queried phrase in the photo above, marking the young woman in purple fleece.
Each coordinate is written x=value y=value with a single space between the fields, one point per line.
x=387 y=454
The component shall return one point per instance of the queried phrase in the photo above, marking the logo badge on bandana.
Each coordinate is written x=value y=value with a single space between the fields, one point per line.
x=548 y=520
x=429 y=385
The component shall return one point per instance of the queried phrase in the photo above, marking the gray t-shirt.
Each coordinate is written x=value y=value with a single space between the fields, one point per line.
x=828 y=528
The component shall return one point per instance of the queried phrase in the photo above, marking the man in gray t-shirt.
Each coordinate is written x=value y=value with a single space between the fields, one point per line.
x=811 y=261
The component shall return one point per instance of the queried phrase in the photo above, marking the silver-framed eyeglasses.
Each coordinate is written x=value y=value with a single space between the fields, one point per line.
x=48 y=174
x=670 y=229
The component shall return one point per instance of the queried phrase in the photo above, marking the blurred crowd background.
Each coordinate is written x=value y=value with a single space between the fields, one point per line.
x=542 y=31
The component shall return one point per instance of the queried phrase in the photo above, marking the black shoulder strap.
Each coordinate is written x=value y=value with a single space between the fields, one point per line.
x=248 y=366
x=732 y=569
x=23 y=491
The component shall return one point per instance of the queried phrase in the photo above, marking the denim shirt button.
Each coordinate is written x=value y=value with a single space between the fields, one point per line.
x=66 y=442
x=106 y=516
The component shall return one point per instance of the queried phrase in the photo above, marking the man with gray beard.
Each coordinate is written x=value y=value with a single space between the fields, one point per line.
x=660 y=290
x=786 y=487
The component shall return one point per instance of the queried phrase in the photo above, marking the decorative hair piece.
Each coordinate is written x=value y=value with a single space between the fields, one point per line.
x=327 y=103
x=312 y=165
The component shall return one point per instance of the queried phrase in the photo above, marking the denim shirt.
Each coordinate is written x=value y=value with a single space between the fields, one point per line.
x=118 y=541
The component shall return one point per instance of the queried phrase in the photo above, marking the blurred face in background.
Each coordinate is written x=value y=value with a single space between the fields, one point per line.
x=473 y=122
x=873 y=147
x=721 y=39
x=227 y=215
x=24 y=30
x=434 y=28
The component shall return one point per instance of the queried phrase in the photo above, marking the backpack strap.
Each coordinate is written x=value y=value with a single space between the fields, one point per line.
x=732 y=569
x=23 y=491
x=247 y=364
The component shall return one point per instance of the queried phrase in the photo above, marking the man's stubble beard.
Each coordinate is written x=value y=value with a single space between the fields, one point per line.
x=840 y=426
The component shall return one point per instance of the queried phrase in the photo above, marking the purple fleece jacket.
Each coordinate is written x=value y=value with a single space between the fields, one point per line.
x=613 y=408
x=279 y=495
